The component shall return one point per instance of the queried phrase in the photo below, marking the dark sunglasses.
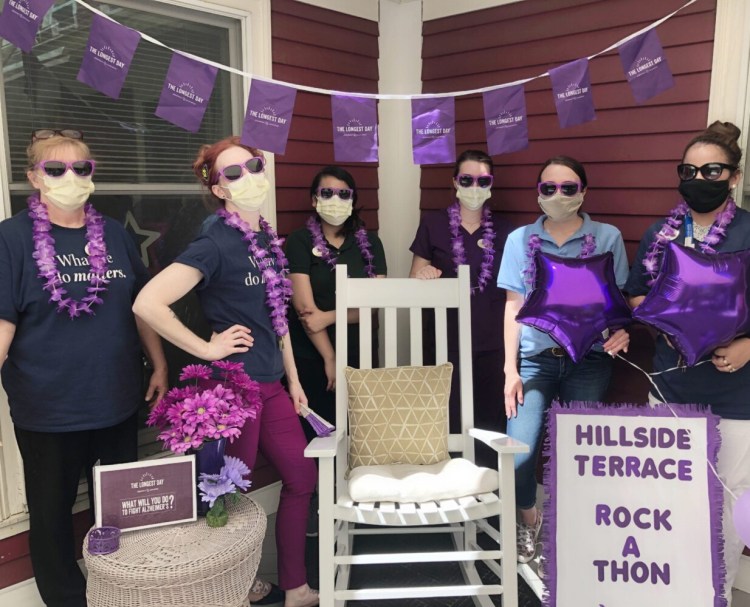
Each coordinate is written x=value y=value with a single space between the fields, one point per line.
x=566 y=188
x=49 y=133
x=466 y=181
x=710 y=171
x=233 y=172
x=326 y=193
x=58 y=168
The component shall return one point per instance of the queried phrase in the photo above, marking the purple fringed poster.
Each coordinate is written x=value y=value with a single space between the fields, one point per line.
x=355 y=129
x=20 y=21
x=433 y=130
x=645 y=66
x=187 y=90
x=505 y=120
x=634 y=508
x=269 y=116
x=571 y=89
x=109 y=52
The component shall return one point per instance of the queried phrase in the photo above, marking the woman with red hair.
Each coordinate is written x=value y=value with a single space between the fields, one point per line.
x=239 y=271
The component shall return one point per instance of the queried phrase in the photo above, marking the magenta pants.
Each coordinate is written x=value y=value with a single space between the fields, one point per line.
x=277 y=433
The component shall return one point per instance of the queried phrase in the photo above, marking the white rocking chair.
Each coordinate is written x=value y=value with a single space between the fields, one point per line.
x=460 y=517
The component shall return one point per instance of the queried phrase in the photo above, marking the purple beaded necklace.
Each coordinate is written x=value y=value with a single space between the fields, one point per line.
x=278 y=286
x=671 y=228
x=46 y=259
x=321 y=246
x=487 y=244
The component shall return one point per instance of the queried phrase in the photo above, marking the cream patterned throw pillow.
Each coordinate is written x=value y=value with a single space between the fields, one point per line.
x=398 y=415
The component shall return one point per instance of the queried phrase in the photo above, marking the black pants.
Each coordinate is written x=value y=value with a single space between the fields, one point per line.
x=52 y=465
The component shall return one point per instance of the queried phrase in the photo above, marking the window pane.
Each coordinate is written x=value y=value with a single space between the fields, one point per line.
x=131 y=145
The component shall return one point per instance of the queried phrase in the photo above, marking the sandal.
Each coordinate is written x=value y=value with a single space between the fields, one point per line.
x=265 y=593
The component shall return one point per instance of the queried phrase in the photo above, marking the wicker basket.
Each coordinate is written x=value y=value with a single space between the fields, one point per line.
x=190 y=565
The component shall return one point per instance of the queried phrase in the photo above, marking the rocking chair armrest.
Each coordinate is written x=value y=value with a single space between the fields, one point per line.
x=502 y=443
x=322 y=446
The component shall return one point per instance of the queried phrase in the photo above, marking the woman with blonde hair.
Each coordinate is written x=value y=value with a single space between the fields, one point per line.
x=74 y=368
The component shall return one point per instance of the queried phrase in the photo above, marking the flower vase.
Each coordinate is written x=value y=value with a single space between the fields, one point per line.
x=208 y=460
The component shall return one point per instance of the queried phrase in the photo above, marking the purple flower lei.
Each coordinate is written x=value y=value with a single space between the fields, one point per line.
x=588 y=248
x=671 y=228
x=320 y=244
x=46 y=262
x=278 y=286
x=488 y=240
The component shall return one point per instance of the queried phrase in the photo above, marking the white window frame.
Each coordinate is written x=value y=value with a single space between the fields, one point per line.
x=254 y=17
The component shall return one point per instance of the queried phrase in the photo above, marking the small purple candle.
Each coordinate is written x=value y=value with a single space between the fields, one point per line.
x=104 y=540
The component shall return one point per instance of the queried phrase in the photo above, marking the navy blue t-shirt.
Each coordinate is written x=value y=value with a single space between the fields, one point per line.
x=233 y=291
x=65 y=375
x=727 y=393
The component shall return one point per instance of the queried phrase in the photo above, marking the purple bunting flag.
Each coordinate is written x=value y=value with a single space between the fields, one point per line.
x=433 y=130
x=355 y=129
x=571 y=88
x=505 y=120
x=645 y=66
x=187 y=90
x=108 y=55
x=20 y=21
x=269 y=116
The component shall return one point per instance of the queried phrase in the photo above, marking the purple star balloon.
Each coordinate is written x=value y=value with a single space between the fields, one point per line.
x=699 y=301
x=574 y=300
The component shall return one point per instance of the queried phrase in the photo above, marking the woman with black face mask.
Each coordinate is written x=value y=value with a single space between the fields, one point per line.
x=711 y=222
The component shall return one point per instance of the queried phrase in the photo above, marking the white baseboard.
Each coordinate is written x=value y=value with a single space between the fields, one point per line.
x=25 y=594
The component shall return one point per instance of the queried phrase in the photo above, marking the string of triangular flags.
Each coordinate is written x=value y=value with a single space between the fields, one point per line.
x=270 y=107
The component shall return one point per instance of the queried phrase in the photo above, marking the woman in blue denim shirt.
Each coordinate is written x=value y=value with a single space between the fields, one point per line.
x=537 y=370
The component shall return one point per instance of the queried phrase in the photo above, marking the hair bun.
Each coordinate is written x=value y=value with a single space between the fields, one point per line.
x=724 y=130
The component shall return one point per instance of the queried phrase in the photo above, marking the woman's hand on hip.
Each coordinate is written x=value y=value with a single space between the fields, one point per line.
x=513 y=394
x=733 y=357
x=235 y=340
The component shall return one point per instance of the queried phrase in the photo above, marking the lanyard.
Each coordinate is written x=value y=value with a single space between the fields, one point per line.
x=689 y=231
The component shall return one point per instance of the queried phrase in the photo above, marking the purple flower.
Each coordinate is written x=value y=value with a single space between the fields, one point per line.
x=195 y=372
x=226 y=365
x=45 y=256
x=234 y=469
x=207 y=410
x=213 y=486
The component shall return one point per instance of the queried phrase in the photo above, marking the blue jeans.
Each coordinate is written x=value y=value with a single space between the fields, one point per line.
x=546 y=376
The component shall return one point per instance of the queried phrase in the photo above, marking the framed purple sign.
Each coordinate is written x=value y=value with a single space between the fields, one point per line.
x=145 y=494
x=632 y=492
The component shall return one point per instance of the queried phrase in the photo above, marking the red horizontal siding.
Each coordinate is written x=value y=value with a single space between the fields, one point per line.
x=630 y=150
x=321 y=48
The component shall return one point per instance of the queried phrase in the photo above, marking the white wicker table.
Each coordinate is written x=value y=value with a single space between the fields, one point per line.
x=189 y=565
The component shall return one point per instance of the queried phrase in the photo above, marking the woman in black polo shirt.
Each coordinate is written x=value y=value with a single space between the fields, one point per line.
x=334 y=234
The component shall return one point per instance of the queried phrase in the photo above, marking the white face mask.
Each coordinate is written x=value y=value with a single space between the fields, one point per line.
x=333 y=210
x=69 y=192
x=473 y=197
x=249 y=191
x=559 y=207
